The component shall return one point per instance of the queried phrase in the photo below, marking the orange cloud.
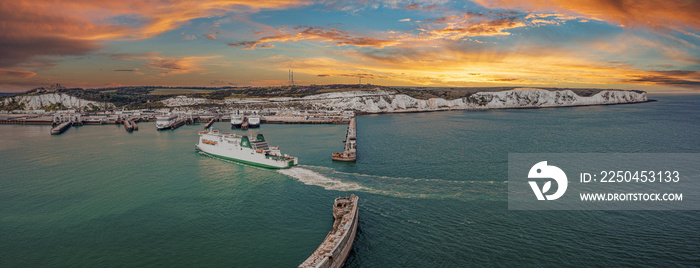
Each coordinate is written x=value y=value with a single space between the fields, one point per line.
x=358 y=75
x=167 y=65
x=315 y=33
x=461 y=29
x=133 y=56
x=657 y=14
x=58 y=28
x=174 y=65
x=188 y=37
x=419 y=7
x=484 y=66
x=669 y=78
x=539 y=19
x=212 y=36
x=455 y=27
x=16 y=72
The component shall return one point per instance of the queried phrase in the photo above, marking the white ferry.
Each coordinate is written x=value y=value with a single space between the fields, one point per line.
x=167 y=122
x=242 y=149
x=254 y=121
x=236 y=120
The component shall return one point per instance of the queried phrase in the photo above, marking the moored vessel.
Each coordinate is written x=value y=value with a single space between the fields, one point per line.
x=254 y=121
x=168 y=122
x=236 y=120
x=252 y=151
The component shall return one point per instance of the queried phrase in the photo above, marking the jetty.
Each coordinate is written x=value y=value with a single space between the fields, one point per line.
x=127 y=126
x=336 y=246
x=211 y=122
x=130 y=125
x=60 y=128
x=349 y=154
x=178 y=123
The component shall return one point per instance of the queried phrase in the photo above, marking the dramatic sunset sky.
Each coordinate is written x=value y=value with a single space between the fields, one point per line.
x=650 y=45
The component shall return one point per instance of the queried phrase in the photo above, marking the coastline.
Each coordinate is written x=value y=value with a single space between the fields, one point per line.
x=325 y=108
x=504 y=108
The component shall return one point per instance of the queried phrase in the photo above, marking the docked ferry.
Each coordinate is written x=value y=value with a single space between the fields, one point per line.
x=168 y=122
x=253 y=121
x=236 y=120
x=252 y=151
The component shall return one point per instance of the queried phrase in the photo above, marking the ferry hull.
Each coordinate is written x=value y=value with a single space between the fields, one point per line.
x=174 y=125
x=253 y=122
x=246 y=158
x=343 y=159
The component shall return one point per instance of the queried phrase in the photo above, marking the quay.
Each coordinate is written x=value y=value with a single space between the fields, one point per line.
x=349 y=154
x=178 y=123
x=304 y=120
x=308 y=117
x=23 y=121
x=177 y=118
x=336 y=246
x=60 y=128
x=26 y=119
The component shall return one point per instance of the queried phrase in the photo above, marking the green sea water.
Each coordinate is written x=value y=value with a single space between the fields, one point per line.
x=432 y=190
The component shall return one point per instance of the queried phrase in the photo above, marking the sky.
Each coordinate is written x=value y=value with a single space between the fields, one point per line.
x=648 y=45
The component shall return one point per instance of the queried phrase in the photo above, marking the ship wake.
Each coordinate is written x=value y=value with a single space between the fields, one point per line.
x=331 y=179
x=310 y=177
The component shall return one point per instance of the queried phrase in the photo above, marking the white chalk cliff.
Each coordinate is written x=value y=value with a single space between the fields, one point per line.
x=371 y=101
x=34 y=102
x=378 y=101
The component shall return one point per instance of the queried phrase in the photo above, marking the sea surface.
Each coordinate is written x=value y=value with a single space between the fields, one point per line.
x=432 y=190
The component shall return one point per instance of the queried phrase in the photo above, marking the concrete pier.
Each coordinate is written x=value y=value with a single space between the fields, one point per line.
x=211 y=122
x=303 y=120
x=349 y=154
x=127 y=126
x=178 y=123
x=130 y=125
x=60 y=128
x=26 y=119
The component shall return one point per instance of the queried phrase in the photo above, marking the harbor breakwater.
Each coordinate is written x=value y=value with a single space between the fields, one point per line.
x=335 y=248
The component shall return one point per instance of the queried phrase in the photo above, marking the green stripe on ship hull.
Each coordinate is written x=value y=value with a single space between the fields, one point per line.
x=246 y=162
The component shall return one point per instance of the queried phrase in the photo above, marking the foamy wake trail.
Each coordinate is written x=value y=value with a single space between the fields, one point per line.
x=331 y=179
x=310 y=177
